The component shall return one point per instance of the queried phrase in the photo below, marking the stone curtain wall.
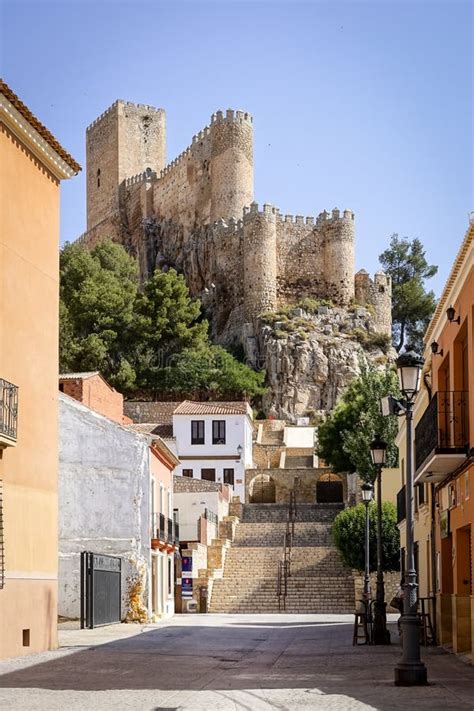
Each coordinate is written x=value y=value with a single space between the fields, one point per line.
x=378 y=293
x=197 y=214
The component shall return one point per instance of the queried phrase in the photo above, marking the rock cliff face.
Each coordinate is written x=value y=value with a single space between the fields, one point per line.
x=311 y=356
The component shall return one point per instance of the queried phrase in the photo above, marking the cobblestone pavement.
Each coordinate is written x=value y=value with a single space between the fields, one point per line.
x=228 y=662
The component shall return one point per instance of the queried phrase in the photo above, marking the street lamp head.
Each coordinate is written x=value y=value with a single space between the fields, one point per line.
x=240 y=449
x=367 y=491
x=435 y=349
x=378 y=451
x=409 y=366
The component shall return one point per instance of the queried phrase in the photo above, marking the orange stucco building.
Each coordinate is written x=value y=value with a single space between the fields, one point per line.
x=32 y=164
x=444 y=450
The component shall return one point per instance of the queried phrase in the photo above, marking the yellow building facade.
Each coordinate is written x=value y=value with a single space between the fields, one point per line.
x=32 y=164
x=444 y=459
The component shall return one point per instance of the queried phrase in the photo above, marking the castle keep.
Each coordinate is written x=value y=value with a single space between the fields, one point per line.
x=197 y=214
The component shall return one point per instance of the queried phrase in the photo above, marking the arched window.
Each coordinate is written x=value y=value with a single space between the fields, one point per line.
x=98 y=177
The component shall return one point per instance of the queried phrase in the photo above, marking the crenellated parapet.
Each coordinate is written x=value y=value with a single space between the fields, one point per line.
x=206 y=223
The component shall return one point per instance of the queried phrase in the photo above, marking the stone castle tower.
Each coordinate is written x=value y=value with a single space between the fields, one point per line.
x=197 y=214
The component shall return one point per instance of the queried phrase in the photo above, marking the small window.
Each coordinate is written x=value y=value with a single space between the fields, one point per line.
x=197 y=431
x=218 y=432
x=98 y=177
x=61 y=387
x=229 y=476
x=26 y=638
x=208 y=474
x=188 y=472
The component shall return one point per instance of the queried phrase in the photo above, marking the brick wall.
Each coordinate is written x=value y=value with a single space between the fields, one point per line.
x=96 y=394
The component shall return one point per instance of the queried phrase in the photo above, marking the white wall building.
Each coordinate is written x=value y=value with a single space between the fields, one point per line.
x=214 y=441
x=110 y=486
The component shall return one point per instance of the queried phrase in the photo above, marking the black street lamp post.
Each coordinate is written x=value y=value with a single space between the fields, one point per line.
x=410 y=671
x=367 y=495
x=380 y=635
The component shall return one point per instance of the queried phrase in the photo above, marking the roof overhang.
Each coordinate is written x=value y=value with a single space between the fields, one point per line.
x=28 y=135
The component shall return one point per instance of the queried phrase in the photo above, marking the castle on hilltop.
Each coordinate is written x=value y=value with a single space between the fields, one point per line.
x=197 y=214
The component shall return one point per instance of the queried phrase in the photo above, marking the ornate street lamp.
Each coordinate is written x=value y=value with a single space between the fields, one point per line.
x=380 y=635
x=367 y=496
x=410 y=671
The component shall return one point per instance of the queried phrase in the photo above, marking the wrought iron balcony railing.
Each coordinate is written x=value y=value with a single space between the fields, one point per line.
x=444 y=426
x=8 y=412
x=401 y=505
x=165 y=529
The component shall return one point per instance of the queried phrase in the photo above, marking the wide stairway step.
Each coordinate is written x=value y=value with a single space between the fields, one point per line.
x=319 y=581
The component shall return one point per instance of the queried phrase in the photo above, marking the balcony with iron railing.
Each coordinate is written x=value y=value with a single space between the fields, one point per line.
x=442 y=436
x=165 y=530
x=8 y=413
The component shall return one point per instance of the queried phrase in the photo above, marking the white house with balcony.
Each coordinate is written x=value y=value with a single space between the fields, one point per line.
x=214 y=441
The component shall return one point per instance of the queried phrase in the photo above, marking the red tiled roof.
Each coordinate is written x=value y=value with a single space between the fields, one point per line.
x=38 y=126
x=164 y=431
x=213 y=408
x=78 y=376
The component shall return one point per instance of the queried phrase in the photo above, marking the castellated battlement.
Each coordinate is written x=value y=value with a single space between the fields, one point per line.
x=146 y=176
x=120 y=102
x=197 y=213
x=231 y=116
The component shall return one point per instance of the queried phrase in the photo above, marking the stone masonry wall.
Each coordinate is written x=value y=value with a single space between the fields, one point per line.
x=284 y=480
x=125 y=140
x=196 y=214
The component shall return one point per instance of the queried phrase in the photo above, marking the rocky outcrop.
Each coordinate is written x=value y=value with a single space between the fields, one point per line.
x=311 y=356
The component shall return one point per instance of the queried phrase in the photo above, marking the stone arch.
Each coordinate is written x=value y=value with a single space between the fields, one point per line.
x=262 y=490
x=330 y=489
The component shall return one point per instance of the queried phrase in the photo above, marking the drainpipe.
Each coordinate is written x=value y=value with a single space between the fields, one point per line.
x=433 y=556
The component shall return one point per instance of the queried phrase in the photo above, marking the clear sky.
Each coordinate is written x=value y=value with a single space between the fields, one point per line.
x=366 y=105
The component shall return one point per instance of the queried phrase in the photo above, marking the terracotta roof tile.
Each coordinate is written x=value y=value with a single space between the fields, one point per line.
x=38 y=126
x=213 y=408
x=78 y=376
x=164 y=431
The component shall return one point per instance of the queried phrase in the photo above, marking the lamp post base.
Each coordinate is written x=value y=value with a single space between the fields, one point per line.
x=411 y=674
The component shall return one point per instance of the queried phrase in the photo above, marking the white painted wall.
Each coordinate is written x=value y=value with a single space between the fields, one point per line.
x=191 y=506
x=299 y=436
x=238 y=432
x=104 y=499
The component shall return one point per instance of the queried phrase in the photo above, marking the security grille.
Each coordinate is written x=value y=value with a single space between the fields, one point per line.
x=101 y=589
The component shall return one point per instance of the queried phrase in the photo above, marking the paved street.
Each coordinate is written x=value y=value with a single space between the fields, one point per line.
x=253 y=662
x=227 y=662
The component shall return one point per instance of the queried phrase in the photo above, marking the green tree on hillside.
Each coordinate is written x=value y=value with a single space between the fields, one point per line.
x=344 y=438
x=412 y=305
x=97 y=297
x=153 y=341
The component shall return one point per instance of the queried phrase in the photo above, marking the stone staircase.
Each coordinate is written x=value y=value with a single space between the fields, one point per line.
x=319 y=582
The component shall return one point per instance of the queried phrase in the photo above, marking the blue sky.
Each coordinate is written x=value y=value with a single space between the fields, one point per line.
x=366 y=105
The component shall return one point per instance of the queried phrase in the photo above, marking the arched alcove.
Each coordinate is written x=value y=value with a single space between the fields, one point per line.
x=262 y=490
x=330 y=489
